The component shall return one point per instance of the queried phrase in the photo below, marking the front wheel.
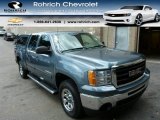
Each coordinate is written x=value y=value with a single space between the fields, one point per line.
x=139 y=20
x=70 y=99
x=22 y=71
x=156 y=19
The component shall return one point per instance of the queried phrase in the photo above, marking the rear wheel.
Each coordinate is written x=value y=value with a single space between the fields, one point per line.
x=70 y=99
x=22 y=71
x=156 y=19
x=138 y=20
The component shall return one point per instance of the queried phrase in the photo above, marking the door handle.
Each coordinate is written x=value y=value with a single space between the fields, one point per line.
x=37 y=59
x=34 y=57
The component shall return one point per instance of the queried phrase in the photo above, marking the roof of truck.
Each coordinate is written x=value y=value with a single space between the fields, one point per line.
x=55 y=32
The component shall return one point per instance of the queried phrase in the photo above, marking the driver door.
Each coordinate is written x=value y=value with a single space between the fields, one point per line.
x=148 y=13
x=45 y=64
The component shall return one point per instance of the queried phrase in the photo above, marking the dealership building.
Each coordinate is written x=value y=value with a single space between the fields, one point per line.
x=144 y=40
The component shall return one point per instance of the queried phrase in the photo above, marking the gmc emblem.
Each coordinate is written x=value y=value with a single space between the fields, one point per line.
x=135 y=72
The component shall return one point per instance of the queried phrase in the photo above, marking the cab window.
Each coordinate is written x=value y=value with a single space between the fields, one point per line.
x=44 y=41
x=148 y=8
x=21 y=40
x=33 y=42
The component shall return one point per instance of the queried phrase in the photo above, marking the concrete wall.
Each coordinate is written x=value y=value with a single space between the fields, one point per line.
x=108 y=36
x=133 y=38
x=28 y=30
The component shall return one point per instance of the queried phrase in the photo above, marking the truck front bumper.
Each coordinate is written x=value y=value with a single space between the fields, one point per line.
x=117 y=94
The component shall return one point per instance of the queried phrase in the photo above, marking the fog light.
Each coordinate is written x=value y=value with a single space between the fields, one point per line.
x=127 y=20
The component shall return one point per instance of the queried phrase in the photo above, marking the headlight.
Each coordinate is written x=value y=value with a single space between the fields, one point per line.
x=99 y=78
x=128 y=14
x=106 y=14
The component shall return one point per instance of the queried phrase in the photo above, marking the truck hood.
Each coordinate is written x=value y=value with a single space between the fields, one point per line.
x=103 y=57
x=120 y=11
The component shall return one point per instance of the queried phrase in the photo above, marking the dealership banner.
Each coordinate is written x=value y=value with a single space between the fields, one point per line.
x=79 y=13
x=52 y=21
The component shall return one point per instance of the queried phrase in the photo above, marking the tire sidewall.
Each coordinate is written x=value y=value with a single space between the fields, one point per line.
x=76 y=97
x=25 y=72
x=20 y=65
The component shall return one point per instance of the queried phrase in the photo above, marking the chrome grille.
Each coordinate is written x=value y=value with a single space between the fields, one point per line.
x=114 y=20
x=129 y=73
x=115 y=15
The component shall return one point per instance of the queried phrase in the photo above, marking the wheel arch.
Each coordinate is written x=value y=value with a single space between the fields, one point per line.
x=18 y=59
x=140 y=14
x=60 y=77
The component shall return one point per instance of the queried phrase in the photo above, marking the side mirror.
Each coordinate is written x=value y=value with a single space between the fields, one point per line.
x=43 y=50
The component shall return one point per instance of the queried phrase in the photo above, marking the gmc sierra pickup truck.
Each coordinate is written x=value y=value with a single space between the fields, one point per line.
x=84 y=72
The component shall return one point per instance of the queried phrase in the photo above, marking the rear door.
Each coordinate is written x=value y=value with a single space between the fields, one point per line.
x=31 y=56
x=20 y=46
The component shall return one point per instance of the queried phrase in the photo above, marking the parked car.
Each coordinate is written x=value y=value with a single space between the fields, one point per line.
x=131 y=15
x=9 y=36
x=2 y=31
x=84 y=72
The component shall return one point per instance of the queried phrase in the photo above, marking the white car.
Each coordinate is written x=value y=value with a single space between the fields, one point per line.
x=131 y=15
x=2 y=31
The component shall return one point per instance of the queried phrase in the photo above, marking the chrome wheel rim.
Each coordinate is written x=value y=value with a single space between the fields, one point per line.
x=139 y=20
x=157 y=17
x=20 y=69
x=67 y=99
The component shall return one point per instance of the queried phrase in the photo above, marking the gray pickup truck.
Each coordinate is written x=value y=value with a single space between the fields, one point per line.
x=84 y=72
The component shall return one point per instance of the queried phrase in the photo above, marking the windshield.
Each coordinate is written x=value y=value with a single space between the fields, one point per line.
x=133 y=7
x=72 y=41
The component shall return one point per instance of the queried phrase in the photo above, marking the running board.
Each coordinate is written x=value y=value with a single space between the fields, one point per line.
x=45 y=86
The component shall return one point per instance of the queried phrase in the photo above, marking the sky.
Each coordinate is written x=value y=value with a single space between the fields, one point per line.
x=115 y=4
x=104 y=5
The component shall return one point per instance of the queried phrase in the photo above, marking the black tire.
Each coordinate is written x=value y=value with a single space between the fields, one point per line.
x=76 y=110
x=5 y=39
x=156 y=19
x=139 y=20
x=22 y=71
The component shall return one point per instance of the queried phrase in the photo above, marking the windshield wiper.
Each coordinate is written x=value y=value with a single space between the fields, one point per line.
x=80 y=48
x=74 y=49
x=97 y=46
